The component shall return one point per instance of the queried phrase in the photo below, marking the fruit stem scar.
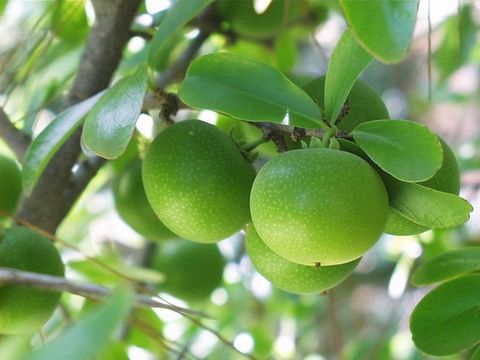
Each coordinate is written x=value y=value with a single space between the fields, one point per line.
x=317 y=264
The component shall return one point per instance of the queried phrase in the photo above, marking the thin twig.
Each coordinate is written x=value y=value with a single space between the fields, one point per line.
x=16 y=140
x=178 y=68
x=89 y=291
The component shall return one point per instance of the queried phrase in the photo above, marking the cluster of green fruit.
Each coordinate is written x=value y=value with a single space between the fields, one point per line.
x=312 y=212
x=23 y=309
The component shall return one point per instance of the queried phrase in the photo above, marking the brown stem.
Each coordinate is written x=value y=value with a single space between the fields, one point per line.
x=51 y=200
x=16 y=140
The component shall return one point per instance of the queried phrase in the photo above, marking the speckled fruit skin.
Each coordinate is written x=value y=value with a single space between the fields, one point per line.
x=24 y=309
x=192 y=271
x=198 y=182
x=447 y=179
x=132 y=204
x=364 y=103
x=292 y=277
x=10 y=185
x=319 y=206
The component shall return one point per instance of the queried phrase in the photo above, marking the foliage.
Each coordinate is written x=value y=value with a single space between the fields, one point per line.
x=318 y=166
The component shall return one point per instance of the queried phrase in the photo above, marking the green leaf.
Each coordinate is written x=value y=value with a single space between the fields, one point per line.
x=445 y=321
x=458 y=42
x=405 y=149
x=69 y=20
x=47 y=143
x=109 y=126
x=383 y=27
x=181 y=12
x=247 y=90
x=426 y=206
x=3 y=6
x=285 y=51
x=90 y=334
x=447 y=266
x=476 y=354
x=347 y=62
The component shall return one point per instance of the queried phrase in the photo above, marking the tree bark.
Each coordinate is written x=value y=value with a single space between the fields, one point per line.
x=51 y=200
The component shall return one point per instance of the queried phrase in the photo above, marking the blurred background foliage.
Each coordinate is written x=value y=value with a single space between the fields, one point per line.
x=366 y=317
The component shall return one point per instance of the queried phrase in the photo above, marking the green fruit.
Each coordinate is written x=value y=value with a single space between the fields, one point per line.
x=319 y=205
x=192 y=271
x=363 y=102
x=292 y=277
x=10 y=185
x=447 y=179
x=132 y=204
x=198 y=182
x=25 y=309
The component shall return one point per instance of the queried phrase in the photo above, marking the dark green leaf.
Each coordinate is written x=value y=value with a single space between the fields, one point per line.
x=247 y=90
x=47 y=143
x=447 y=266
x=425 y=206
x=181 y=12
x=109 y=126
x=347 y=62
x=383 y=27
x=476 y=354
x=445 y=321
x=90 y=334
x=405 y=149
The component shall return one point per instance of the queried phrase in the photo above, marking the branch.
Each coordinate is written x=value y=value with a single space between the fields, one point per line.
x=51 y=199
x=16 y=140
x=178 y=68
x=89 y=291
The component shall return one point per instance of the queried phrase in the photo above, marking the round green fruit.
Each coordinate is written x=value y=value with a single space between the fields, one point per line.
x=25 y=309
x=132 y=204
x=447 y=179
x=319 y=206
x=198 y=182
x=292 y=277
x=192 y=271
x=10 y=185
x=363 y=102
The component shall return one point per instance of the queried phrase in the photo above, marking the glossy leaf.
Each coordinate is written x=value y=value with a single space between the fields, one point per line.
x=181 y=12
x=405 y=149
x=383 y=27
x=49 y=141
x=347 y=62
x=445 y=321
x=109 y=126
x=90 y=334
x=425 y=206
x=247 y=90
x=447 y=266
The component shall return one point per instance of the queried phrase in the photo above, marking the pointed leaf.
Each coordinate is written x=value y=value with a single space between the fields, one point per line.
x=247 y=90
x=447 y=266
x=445 y=321
x=90 y=334
x=181 y=12
x=405 y=149
x=109 y=126
x=383 y=27
x=426 y=206
x=47 y=143
x=347 y=62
